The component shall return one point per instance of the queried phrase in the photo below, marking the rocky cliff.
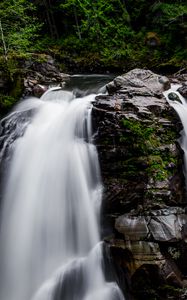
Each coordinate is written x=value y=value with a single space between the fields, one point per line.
x=32 y=76
x=144 y=220
x=144 y=206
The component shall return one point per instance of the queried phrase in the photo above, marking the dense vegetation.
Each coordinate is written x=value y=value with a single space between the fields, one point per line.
x=111 y=34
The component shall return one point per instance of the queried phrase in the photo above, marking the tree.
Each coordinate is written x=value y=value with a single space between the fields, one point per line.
x=46 y=10
x=3 y=41
x=19 y=26
x=98 y=21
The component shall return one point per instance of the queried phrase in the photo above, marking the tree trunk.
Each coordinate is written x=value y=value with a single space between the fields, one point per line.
x=3 y=42
x=50 y=19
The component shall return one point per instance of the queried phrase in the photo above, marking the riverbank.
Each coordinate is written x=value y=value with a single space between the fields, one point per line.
x=142 y=171
x=30 y=74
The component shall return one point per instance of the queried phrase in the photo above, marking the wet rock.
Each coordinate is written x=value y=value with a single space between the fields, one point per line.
x=133 y=228
x=163 y=225
x=138 y=92
x=171 y=273
x=40 y=75
x=46 y=71
x=184 y=232
x=38 y=90
x=143 y=82
x=136 y=133
x=167 y=228
x=183 y=90
x=174 y=97
x=165 y=82
x=138 y=150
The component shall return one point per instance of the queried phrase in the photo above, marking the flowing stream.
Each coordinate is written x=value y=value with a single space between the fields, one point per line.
x=50 y=246
x=179 y=103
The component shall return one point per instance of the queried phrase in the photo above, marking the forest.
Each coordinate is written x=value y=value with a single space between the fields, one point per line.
x=100 y=35
x=93 y=149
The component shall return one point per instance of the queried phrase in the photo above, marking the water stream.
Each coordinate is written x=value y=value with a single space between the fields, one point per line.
x=179 y=104
x=50 y=245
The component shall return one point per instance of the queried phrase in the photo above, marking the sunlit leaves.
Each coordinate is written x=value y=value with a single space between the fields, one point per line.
x=19 y=23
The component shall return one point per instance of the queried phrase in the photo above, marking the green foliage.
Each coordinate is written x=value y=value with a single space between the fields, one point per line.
x=144 y=142
x=6 y=103
x=19 y=24
x=115 y=32
x=157 y=167
x=171 y=291
x=139 y=130
x=141 y=135
x=99 y=23
x=169 y=21
x=165 y=13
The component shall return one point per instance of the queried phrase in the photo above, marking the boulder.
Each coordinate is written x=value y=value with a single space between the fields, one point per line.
x=40 y=75
x=164 y=225
x=183 y=90
x=143 y=82
x=137 y=133
x=39 y=90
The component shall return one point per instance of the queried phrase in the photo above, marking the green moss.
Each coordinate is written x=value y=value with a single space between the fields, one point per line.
x=169 y=291
x=157 y=167
x=147 y=155
x=137 y=128
x=6 y=103
x=143 y=137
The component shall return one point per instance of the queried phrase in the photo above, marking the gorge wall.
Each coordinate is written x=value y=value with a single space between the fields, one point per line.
x=21 y=78
x=144 y=205
x=144 y=208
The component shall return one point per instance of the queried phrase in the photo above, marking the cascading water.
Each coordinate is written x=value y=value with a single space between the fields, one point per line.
x=178 y=102
x=49 y=243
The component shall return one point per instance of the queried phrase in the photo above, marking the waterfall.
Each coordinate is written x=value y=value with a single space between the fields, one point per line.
x=179 y=103
x=50 y=246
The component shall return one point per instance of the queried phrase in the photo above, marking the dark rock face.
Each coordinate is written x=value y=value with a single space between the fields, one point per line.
x=40 y=75
x=183 y=90
x=144 y=188
x=140 y=82
x=31 y=77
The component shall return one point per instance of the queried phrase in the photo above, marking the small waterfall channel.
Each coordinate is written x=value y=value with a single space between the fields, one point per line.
x=179 y=103
x=50 y=245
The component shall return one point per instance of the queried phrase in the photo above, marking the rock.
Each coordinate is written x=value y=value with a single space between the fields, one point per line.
x=166 y=228
x=183 y=90
x=136 y=133
x=165 y=225
x=143 y=82
x=130 y=130
x=32 y=82
x=39 y=90
x=46 y=72
x=152 y=39
x=184 y=232
x=174 y=97
x=40 y=75
x=142 y=235
x=165 y=82
x=171 y=273
x=133 y=228
x=138 y=92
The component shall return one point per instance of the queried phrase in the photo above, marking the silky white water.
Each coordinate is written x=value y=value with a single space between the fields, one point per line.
x=49 y=241
x=180 y=107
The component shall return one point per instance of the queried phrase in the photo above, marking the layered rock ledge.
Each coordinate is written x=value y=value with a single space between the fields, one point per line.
x=28 y=77
x=144 y=204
